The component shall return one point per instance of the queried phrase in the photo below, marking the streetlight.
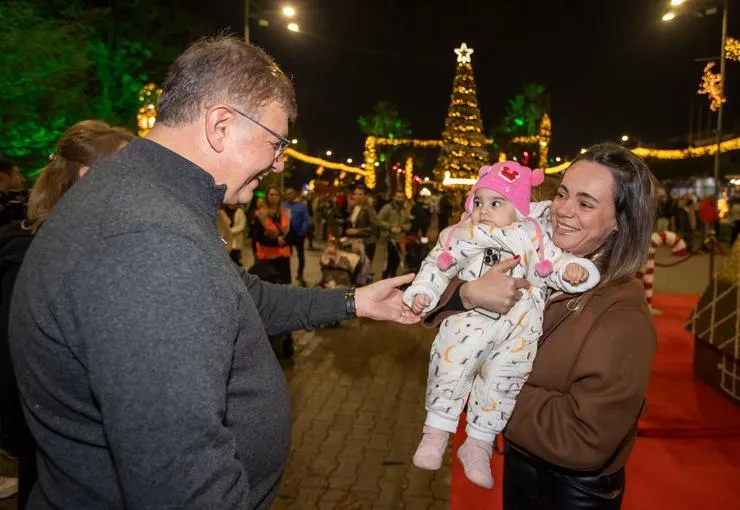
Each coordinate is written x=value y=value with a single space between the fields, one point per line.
x=329 y=153
x=349 y=161
x=625 y=138
x=294 y=141
x=287 y=11
x=558 y=159
x=669 y=16
x=677 y=2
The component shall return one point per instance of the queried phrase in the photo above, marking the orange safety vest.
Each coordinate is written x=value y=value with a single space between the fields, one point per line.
x=274 y=252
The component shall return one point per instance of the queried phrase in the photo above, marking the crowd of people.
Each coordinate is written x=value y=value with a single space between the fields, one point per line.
x=136 y=366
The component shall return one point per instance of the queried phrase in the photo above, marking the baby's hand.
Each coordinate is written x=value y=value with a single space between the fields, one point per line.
x=419 y=304
x=575 y=274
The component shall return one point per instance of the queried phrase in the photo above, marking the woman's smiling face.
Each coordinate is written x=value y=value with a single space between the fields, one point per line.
x=583 y=213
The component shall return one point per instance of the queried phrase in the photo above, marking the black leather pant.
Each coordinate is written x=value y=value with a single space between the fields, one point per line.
x=532 y=484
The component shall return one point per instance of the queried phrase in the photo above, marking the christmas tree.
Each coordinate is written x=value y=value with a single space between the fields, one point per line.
x=463 y=142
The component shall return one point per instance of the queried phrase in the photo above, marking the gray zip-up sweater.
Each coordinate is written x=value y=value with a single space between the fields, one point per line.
x=141 y=351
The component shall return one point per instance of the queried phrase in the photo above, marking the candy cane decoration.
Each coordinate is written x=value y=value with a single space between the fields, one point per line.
x=678 y=249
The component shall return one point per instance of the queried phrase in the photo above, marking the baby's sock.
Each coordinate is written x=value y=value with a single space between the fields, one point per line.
x=475 y=456
x=431 y=449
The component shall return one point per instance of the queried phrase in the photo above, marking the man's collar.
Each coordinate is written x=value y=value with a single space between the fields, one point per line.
x=187 y=180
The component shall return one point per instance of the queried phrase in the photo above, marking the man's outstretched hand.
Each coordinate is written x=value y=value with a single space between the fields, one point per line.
x=383 y=301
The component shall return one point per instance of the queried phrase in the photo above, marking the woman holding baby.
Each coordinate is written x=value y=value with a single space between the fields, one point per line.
x=574 y=421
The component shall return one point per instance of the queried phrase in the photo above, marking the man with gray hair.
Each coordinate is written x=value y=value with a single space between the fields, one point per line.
x=141 y=350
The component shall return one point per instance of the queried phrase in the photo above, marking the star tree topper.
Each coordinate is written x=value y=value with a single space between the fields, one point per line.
x=463 y=53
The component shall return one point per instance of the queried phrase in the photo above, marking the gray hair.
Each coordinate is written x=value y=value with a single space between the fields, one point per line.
x=223 y=69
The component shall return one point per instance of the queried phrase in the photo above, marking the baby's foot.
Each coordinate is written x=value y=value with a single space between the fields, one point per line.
x=475 y=457
x=431 y=449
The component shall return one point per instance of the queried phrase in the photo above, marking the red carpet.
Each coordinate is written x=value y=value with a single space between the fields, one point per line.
x=688 y=455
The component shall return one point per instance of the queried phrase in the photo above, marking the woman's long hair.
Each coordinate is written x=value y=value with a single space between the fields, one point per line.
x=626 y=249
x=81 y=146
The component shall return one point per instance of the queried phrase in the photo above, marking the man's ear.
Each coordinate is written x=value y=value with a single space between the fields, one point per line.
x=219 y=124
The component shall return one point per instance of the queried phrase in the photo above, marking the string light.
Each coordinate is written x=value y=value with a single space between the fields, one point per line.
x=710 y=85
x=291 y=152
x=732 y=49
x=409 y=184
x=147 y=115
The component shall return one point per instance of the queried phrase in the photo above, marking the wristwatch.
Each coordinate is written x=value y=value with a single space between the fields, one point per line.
x=349 y=303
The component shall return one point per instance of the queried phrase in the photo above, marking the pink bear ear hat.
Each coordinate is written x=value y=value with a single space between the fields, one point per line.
x=513 y=181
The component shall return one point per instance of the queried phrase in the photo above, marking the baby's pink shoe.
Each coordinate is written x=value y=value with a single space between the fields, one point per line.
x=431 y=449
x=475 y=457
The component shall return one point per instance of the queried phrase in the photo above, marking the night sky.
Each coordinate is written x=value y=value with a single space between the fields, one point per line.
x=610 y=66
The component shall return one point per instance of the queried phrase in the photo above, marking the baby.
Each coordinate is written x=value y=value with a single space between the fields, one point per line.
x=479 y=356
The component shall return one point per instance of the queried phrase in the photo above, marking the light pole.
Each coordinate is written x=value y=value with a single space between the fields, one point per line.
x=720 y=110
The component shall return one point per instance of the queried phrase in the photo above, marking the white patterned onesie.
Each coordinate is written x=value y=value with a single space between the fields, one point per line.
x=478 y=353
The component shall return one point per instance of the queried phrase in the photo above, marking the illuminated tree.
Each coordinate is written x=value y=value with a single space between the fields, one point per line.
x=42 y=76
x=463 y=142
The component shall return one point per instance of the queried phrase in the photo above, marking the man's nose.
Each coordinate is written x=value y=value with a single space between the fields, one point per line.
x=279 y=164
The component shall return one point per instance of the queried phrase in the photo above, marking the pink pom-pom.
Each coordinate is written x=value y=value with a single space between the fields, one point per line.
x=543 y=268
x=537 y=178
x=445 y=261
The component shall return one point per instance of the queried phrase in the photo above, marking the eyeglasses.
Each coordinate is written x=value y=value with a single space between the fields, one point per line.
x=282 y=143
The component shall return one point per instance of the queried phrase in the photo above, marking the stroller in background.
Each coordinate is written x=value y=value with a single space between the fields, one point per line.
x=413 y=249
x=344 y=263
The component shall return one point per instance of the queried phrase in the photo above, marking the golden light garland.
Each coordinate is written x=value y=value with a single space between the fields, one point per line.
x=324 y=163
x=409 y=183
x=732 y=49
x=710 y=85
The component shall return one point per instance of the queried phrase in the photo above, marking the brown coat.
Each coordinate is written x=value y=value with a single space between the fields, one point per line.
x=579 y=407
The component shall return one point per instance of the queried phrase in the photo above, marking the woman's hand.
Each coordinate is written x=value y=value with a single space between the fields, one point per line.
x=495 y=291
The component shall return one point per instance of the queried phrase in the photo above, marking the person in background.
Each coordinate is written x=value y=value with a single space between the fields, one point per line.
x=686 y=222
x=394 y=221
x=255 y=205
x=444 y=211
x=361 y=222
x=709 y=217
x=80 y=147
x=273 y=226
x=420 y=217
x=235 y=224
x=299 y=221
x=735 y=218
x=666 y=214
x=11 y=180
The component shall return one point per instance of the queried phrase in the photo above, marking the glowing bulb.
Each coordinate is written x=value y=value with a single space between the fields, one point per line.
x=329 y=153
x=288 y=11
x=677 y=2
x=349 y=161
x=426 y=179
x=294 y=141
x=558 y=160
x=625 y=138
x=377 y=163
x=293 y=27
x=668 y=16
x=583 y=151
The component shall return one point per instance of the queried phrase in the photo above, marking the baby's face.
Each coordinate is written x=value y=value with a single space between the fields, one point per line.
x=493 y=209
